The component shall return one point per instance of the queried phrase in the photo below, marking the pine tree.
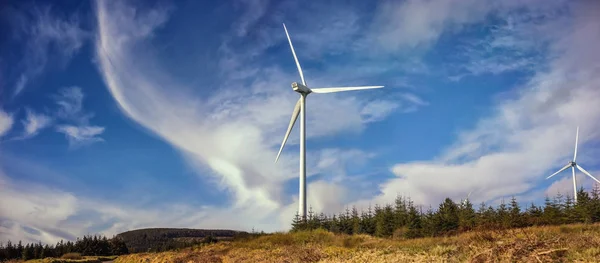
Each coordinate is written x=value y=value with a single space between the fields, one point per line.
x=370 y=224
x=366 y=222
x=323 y=221
x=569 y=213
x=27 y=253
x=384 y=222
x=355 y=219
x=58 y=249
x=117 y=246
x=312 y=221
x=334 y=224
x=582 y=208
x=559 y=203
x=502 y=217
x=11 y=251
x=347 y=222
x=447 y=217
x=534 y=215
x=20 y=249
x=46 y=252
x=37 y=250
x=298 y=224
x=415 y=226
x=400 y=212
x=480 y=220
x=466 y=216
x=429 y=223
x=515 y=213
x=344 y=222
x=594 y=206
x=551 y=211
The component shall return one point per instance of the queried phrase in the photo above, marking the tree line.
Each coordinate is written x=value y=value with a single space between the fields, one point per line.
x=406 y=220
x=163 y=239
x=87 y=246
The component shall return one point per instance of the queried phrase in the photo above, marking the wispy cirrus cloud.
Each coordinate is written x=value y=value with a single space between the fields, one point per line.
x=47 y=36
x=34 y=122
x=70 y=109
x=81 y=135
x=70 y=105
x=519 y=42
x=70 y=118
x=6 y=122
x=418 y=24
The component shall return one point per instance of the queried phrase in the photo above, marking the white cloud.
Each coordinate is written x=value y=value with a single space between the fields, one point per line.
x=34 y=122
x=406 y=25
x=31 y=212
x=20 y=84
x=412 y=23
x=6 y=122
x=70 y=109
x=527 y=136
x=81 y=135
x=255 y=9
x=334 y=163
x=518 y=43
x=47 y=36
x=70 y=105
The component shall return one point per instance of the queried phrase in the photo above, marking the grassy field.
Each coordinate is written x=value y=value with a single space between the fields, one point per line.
x=569 y=243
x=87 y=259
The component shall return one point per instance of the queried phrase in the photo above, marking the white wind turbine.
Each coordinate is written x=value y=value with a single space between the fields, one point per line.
x=300 y=108
x=574 y=165
x=464 y=202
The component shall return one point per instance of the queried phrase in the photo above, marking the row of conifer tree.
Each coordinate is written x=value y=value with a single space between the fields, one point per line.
x=86 y=246
x=404 y=219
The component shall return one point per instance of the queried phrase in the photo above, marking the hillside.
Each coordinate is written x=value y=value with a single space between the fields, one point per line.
x=161 y=239
x=568 y=243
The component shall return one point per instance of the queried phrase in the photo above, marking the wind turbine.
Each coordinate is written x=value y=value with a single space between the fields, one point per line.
x=574 y=165
x=464 y=202
x=300 y=108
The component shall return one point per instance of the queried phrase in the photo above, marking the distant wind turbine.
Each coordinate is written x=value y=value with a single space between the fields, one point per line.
x=574 y=165
x=464 y=202
x=300 y=108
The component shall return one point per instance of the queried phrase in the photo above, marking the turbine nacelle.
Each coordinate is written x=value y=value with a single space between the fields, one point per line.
x=573 y=164
x=297 y=87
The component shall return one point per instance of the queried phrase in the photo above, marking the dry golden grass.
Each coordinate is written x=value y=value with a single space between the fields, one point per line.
x=71 y=259
x=572 y=243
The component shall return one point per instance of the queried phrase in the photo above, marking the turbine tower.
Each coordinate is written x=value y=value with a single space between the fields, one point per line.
x=300 y=108
x=574 y=165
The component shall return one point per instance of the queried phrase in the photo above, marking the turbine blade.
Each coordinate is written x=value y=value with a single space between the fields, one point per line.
x=338 y=89
x=294 y=53
x=576 y=139
x=290 y=126
x=561 y=169
x=586 y=173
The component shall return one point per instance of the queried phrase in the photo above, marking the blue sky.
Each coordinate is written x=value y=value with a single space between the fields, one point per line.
x=116 y=115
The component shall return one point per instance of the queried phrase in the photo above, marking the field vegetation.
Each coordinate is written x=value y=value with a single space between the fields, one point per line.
x=567 y=243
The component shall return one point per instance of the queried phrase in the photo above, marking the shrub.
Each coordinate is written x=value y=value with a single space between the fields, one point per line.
x=72 y=256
